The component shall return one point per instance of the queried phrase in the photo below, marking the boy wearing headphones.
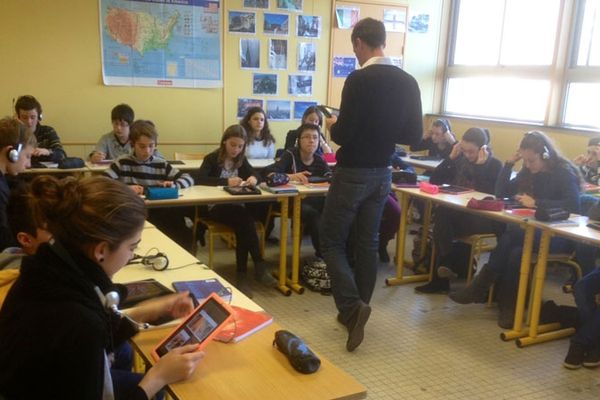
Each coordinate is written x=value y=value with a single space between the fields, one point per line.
x=16 y=147
x=29 y=111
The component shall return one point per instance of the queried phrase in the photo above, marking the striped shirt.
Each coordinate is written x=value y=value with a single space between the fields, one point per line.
x=152 y=172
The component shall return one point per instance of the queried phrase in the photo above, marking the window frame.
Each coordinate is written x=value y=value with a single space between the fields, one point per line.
x=560 y=73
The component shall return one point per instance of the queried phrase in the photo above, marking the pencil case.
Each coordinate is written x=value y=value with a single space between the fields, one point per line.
x=162 y=193
x=429 y=188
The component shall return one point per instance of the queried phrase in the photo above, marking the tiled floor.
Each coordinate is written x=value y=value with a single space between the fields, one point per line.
x=426 y=346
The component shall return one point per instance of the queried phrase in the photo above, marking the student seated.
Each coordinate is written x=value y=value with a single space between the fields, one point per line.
x=116 y=143
x=28 y=236
x=299 y=163
x=438 y=140
x=228 y=166
x=471 y=165
x=312 y=115
x=546 y=179
x=17 y=144
x=143 y=168
x=589 y=163
x=57 y=300
x=29 y=111
x=261 y=143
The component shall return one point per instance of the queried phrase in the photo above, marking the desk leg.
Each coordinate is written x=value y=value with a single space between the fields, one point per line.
x=534 y=335
x=283 y=247
x=401 y=244
x=296 y=240
x=517 y=330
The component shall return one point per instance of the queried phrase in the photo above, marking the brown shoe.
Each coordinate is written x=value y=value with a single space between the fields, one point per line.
x=356 y=326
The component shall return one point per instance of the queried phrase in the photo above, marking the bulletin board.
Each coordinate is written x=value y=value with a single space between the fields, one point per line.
x=345 y=13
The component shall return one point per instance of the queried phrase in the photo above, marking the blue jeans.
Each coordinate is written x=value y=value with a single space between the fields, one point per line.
x=351 y=218
x=585 y=291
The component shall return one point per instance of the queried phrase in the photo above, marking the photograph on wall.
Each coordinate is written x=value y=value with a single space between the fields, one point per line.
x=301 y=106
x=307 y=57
x=278 y=110
x=250 y=53
x=292 y=5
x=242 y=22
x=276 y=24
x=347 y=17
x=419 y=23
x=308 y=26
x=300 y=85
x=264 y=84
x=343 y=66
x=256 y=4
x=278 y=53
x=244 y=104
x=394 y=20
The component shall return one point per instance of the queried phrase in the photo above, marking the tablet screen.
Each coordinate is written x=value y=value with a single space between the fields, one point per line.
x=201 y=325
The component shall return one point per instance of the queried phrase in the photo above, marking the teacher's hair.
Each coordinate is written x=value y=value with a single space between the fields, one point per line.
x=370 y=31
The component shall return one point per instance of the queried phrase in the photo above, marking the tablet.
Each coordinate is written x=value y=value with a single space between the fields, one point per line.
x=318 y=179
x=198 y=328
x=138 y=291
x=453 y=189
x=241 y=190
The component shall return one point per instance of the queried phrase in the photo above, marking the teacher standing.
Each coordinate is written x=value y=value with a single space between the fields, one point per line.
x=381 y=106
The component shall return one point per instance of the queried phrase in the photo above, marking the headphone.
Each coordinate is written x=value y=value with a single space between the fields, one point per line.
x=546 y=154
x=445 y=123
x=14 y=152
x=158 y=261
x=111 y=300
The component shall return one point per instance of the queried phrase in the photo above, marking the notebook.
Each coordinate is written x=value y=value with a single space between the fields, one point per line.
x=201 y=289
x=243 y=324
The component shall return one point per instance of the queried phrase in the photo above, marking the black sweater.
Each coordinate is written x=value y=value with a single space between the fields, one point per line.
x=210 y=171
x=54 y=330
x=291 y=163
x=461 y=172
x=559 y=187
x=381 y=107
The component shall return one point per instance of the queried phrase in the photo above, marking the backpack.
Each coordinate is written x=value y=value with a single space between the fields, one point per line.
x=421 y=262
x=315 y=277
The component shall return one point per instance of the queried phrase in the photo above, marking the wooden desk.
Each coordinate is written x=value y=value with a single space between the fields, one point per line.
x=199 y=195
x=537 y=333
x=250 y=369
x=458 y=202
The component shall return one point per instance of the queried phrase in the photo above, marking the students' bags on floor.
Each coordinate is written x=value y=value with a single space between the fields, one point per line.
x=315 y=277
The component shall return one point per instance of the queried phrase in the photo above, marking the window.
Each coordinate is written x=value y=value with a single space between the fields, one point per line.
x=583 y=75
x=506 y=60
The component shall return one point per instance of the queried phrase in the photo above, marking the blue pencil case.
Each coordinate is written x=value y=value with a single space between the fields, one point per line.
x=162 y=193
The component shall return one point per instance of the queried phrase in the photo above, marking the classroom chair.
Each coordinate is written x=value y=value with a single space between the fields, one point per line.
x=218 y=229
x=179 y=156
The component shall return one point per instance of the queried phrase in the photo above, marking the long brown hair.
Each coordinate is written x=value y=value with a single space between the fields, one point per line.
x=233 y=131
x=81 y=213
x=267 y=137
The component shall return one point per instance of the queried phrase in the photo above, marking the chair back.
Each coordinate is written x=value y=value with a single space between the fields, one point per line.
x=188 y=156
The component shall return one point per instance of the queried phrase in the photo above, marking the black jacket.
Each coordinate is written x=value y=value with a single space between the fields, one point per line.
x=291 y=163
x=461 y=172
x=54 y=330
x=210 y=171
